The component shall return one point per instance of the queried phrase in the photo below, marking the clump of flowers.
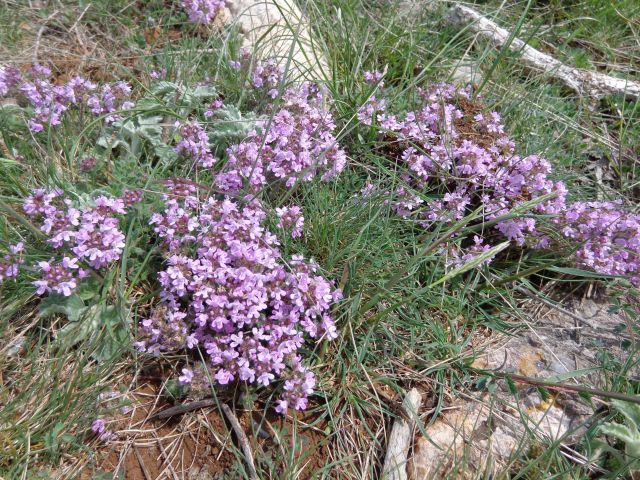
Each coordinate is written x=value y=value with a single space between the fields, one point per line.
x=10 y=262
x=131 y=197
x=109 y=99
x=607 y=235
x=227 y=290
x=441 y=157
x=202 y=11
x=290 y=218
x=296 y=144
x=158 y=74
x=88 y=163
x=99 y=428
x=49 y=101
x=195 y=144
x=217 y=104
x=61 y=277
x=88 y=235
x=458 y=159
x=264 y=76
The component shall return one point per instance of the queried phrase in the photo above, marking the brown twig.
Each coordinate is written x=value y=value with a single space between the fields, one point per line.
x=165 y=456
x=184 y=408
x=143 y=467
x=560 y=387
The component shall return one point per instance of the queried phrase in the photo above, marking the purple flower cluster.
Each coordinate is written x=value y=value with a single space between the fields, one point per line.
x=10 y=262
x=89 y=235
x=459 y=159
x=227 y=291
x=607 y=235
x=265 y=76
x=291 y=218
x=109 y=99
x=441 y=159
x=99 y=427
x=217 y=104
x=195 y=144
x=61 y=277
x=366 y=114
x=202 y=11
x=296 y=144
x=50 y=101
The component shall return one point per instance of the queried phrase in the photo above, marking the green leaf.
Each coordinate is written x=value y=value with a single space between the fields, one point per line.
x=631 y=412
x=147 y=127
x=51 y=438
x=81 y=328
x=116 y=334
x=88 y=289
x=544 y=393
x=163 y=87
x=11 y=117
x=577 y=272
x=73 y=306
x=166 y=153
x=512 y=386
x=173 y=390
x=173 y=93
x=473 y=263
x=200 y=93
x=616 y=430
x=230 y=124
x=103 y=328
x=483 y=382
x=575 y=373
x=586 y=397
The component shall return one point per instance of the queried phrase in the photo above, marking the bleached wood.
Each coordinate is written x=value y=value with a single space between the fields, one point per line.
x=583 y=81
x=395 y=461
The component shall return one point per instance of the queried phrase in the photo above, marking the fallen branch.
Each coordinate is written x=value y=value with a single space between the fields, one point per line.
x=564 y=387
x=233 y=420
x=400 y=439
x=184 y=408
x=585 y=82
x=143 y=467
x=242 y=440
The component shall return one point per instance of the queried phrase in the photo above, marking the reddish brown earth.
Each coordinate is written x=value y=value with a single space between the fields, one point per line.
x=200 y=445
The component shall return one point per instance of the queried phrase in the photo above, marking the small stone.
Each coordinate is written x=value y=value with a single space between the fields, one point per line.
x=466 y=71
x=16 y=347
x=279 y=29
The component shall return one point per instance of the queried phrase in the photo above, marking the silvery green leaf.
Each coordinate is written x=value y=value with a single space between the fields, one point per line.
x=72 y=307
x=164 y=88
x=109 y=325
x=200 y=93
x=230 y=124
x=166 y=153
x=146 y=127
